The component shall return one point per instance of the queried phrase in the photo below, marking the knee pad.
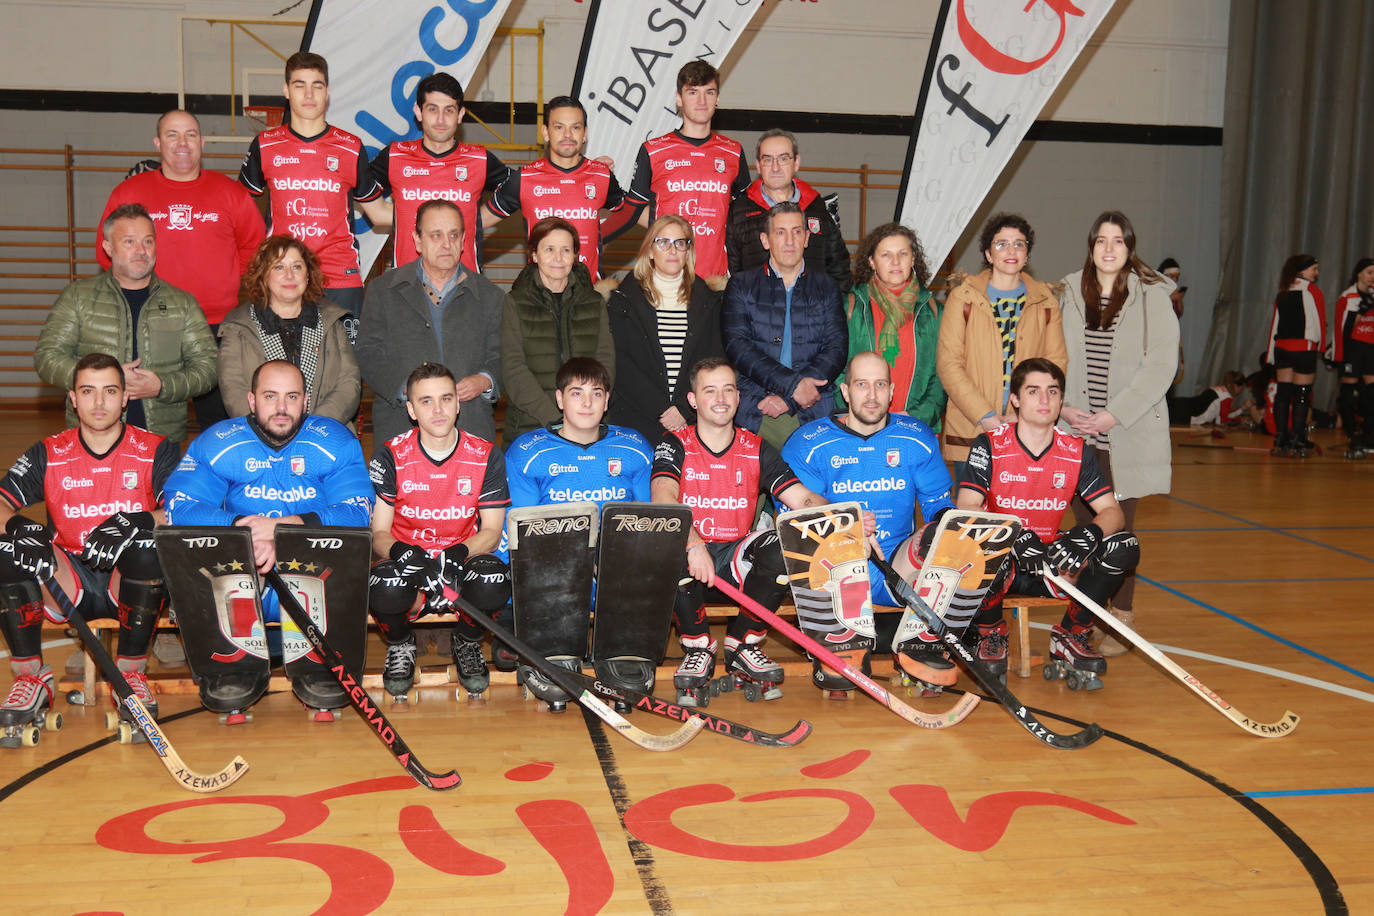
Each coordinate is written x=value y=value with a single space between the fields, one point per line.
x=689 y=609
x=990 y=610
x=1120 y=553
x=486 y=582
x=389 y=593
x=139 y=559
x=140 y=604
x=21 y=617
x=766 y=568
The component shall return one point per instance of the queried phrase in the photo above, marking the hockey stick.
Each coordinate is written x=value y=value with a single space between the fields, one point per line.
x=574 y=688
x=953 y=716
x=670 y=710
x=989 y=681
x=357 y=696
x=188 y=778
x=1279 y=729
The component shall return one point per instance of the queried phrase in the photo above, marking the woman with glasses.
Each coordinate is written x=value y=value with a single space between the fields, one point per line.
x=993 y=321
x=663 y=318
x=1122 y=335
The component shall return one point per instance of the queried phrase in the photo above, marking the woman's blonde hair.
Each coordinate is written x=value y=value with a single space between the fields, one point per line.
x=644 y=267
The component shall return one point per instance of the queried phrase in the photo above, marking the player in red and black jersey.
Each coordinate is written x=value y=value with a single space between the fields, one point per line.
x=102 y=484
x=441 y=504
x=720 y=470
x=1032 y=469
x=565 y=183
x=312 y=173
x=692 y=171
x=436 y=166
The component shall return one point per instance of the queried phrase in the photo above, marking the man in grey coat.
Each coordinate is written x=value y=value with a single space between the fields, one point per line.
x=432 y=310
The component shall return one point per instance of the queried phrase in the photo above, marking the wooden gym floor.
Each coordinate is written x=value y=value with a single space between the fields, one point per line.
x=1256 y=578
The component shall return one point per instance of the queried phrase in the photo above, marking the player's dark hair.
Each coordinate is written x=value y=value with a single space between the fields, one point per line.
x=442 y=83
x=157 y=130
x=124 y=211
x=563 y=101
x=779 y=209
x=707 y=365
x=697 y=73
x=1035 y=364
x=96 y=362
x=272 y=250
x=772 y=132
x=307 y=60
x=1100 y=316
x=426 y=371
x=583 y=369
x=438 y=203
x=863 y=271
x=544 y=227
x=253 y=382
x=1169 y=264
x=999 y=221
x=1360 y=265
x=1295 y=265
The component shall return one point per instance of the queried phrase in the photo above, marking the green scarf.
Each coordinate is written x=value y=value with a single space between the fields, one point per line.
x=897 y=311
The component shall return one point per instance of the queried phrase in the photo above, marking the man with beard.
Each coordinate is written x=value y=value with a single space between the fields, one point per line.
x=276 y=466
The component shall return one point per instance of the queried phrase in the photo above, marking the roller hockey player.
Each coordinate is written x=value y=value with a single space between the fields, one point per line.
x=891 y=465
x=719 y=470
x=102 y=483
x=276 y=466
x=1033 y=469
x=441 y=507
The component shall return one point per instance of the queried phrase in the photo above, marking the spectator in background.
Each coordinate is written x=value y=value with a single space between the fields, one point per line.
x=993 y=321
x=664 y=319
x=1218 y=404
x=289 y=319
x=892 y=313
x=1169 y=268
x=778 y=158
x=1352 y=351
x=208 y=228
x=551 y=314
x=1297 y=335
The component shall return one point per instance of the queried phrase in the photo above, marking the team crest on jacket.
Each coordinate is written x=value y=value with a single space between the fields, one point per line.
x=894 y=457
x=461 y=173
x=813 y=225
x=331 y=163
x=589 y=190
x=298 y=464
x=720 y=165
x=1059 y=480
x=613 y=467
x=464 y=486
x=131 y=480
x=178 y=216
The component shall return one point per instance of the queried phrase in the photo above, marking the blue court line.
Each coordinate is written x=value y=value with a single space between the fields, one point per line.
x=1303 y=793
x=1269 y=581
x=1283 y=531
x=1258 y=629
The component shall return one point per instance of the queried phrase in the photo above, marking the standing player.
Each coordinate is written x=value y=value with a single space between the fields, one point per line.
x=692 y=171
x=565 y=183
x=719 y=470
x=102 y=482
x=1352 y=342
x=580 y=458
x=436 y=166
x=441 y=507
x=890 y=464
x=276 y=466
x=1297 y=335
x=1033 y=469
x=312 y=173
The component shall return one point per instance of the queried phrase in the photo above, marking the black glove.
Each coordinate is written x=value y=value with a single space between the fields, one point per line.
x=422 y=571
x=108 y=539
x=32 y=547
x=1029 y=551
x=1072 y=550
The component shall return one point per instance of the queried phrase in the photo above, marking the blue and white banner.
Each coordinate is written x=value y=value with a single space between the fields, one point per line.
x=992 y=66
x=627 y=71
x=378 y=50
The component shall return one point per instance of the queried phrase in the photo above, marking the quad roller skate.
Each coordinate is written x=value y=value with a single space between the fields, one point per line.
x=320 y=693
x=1073 y=658
x=693 y=676
x=924 y=665
x=471 y=669
x=27 y=710
x=992 y=648
x=626 y=673
x=398 y=671
x=537 y=685
x=230 y=695
x=120 y=720
x=748 y=668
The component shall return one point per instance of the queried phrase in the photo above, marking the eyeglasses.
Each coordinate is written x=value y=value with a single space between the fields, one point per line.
x=663 y=244
x=784 y=159
x=1003 y=245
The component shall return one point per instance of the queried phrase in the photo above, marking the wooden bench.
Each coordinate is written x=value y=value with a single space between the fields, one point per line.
x=1019 y=654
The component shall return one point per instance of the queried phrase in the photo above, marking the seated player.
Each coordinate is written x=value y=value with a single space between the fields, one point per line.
x=276 y=466
x=102 y=482
x=888 y=463
x=1033 y=469
x=579 y=458
x=441 y=507
x=719 y=470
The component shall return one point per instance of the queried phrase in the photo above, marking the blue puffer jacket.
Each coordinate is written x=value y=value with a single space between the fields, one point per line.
x=751 y=325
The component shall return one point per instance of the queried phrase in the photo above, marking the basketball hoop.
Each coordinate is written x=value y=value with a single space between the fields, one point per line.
x=269 y=115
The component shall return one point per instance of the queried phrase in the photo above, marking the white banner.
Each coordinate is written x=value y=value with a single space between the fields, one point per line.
x=378 y=50
x=627 y=71
x=992 y=66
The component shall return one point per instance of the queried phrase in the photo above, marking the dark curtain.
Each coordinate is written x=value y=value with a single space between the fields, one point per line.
x=1297 y=163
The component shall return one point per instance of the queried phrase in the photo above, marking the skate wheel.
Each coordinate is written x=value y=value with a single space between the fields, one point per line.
x=477 y=699
x=451 y=672
x=51 y=721
x=752 y=693
x=525 y=693
x=1049 y=672
x=28 y=736
x=235 y=718
x=111 y=721
x=846 y=695
x=1074 y=682
x=1092 y=682
x=322 y=715
x=76 y=698
x=126 y=733
x=621 y=706
x=558 y=707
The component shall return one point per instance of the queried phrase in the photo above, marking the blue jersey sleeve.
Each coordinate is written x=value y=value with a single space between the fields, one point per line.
x=933 y=483
x=639 y=483
x=194 y=493
x=811 y=474
x=524 y=489
x=347 y=489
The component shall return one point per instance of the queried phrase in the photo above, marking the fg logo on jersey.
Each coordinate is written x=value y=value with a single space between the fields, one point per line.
x=894 y=457
x=461 y=173
x=298 y=465
x=1059 y=480
x=613 y=467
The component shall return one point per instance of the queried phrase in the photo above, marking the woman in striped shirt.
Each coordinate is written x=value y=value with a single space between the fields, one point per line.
x=1122 y=338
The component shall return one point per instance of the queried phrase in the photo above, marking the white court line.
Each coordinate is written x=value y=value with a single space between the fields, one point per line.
x=1260 y=669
